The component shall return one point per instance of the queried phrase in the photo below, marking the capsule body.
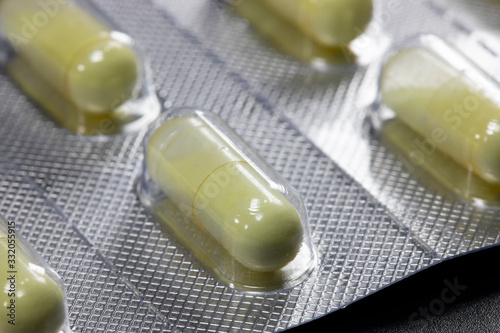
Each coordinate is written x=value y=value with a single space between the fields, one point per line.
x=329 y=22
x=448 y=105
x=218 y=198
x=31 y=292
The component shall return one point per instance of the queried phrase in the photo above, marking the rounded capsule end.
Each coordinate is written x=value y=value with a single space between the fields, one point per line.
x=337 y=23
x=103 y=76
x=272 y=239
x=41 y=306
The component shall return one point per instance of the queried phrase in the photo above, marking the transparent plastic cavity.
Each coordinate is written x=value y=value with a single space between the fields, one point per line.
x=224 y=204
x=443 y=114
x=78 y=66
x=32 y=294
x=321 y=33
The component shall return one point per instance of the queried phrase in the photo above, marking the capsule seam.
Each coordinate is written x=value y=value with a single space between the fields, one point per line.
x=195 y=219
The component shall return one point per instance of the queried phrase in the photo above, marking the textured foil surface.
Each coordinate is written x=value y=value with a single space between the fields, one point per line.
x=372 y=221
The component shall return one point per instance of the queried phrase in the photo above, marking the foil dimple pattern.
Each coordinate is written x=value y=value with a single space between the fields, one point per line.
x=98 y=299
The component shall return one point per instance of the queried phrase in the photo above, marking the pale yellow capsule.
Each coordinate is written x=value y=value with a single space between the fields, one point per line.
x=448 y=106
x=72 y=52
x=329 y=22
x=289 y=38
x=32 y=301
x=223 y=193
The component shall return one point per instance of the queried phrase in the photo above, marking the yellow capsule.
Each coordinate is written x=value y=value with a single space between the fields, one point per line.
x=71 y=51
x=289 y=38
x=224 y=194
x=31 y=295
x=329 y=22
x=447 y=105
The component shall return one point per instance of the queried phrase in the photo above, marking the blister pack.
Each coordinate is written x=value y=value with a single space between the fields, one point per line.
x=377 y=144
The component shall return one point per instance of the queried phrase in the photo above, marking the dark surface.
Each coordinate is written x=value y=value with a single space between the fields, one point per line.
x=457 y=295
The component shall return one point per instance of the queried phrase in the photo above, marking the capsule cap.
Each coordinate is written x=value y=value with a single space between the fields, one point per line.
x=103 y=76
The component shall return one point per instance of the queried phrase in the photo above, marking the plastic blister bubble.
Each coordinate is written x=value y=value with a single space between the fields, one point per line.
x=233 y=213
x=77 y=65
x=441 y=110
x=28 y=282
